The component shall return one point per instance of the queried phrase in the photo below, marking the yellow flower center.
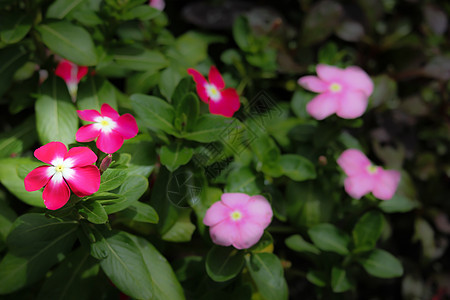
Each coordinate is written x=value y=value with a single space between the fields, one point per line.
x=236 y=215
x=59 y=168
x=104 y=123
x=335 y=87
x=372 y=169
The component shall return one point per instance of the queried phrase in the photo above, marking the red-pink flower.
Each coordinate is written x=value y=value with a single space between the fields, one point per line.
x=74 y=168
x=364 y=177
x=110 y=128
x=221 y=101
x=342 y=91
x=158 y=4
x=72 y=74
x=238 y=219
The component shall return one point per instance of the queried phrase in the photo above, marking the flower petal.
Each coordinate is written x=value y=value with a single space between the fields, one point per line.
x=329 y=73
x=234 y=200
x=81 y=156
x=87 y=133
x=200 y=82
x=313 y=83
x=64 y=70
x=358 y=79
x=353 y=162
x=359 y=185
x=386 y=184
x=215 y=78
x=84 y=180
x=127 y=126
x=56 y=192
x=323 y=105
x=158 y=4
x=352 y=104
x=249 y=234
x=227 y=105
x=224 y=233
x=37 y=178
x=259 y=211
x=109 y=142
x=89 y=115
x=216 y=214
x=108 y=111
x=82 y=71
x=51 y=151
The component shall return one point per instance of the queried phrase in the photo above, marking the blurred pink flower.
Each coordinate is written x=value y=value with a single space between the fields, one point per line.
x=221 y=101
x=110 y=128
x=342 y=91
x=363 y=177
x=74 y=168
x=158 y=4
x=238 y=220
x=72 y=74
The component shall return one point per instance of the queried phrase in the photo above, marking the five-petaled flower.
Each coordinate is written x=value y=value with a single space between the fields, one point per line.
x=110 y=128
x=72 y=74
x=74 y=168
x=158 y=4
x=221 y=101
x=364 y=177
x=342 y=91
x=238 y=220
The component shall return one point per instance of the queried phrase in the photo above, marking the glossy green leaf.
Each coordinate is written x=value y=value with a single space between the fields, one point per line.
x=111 y=179
x=61 y=8
x=18 y=139
x=186 y=111
x=380 y=263
x=139 y=59
x=367 y=231
x=175 y=155
x=328 y=237
x=224 y=263
x=340 y=282
x=242 y=180
x=93 y=211
x=14 y=27
x=168 y=81
x=297 y=167
x=208 y=128
x=182 y=229
x=297 y=243
x=141 y=212
x=143 y=12
x=242 y=34
x=155 y=112
x=93 y=92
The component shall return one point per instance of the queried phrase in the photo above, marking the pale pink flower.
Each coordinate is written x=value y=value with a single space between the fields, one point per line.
x=72 y=74
x=74 y=168
x=110 y=128
x=364 y=177
x=238 y=220
x=158 y=4
x=221 y=101
x=342 y=91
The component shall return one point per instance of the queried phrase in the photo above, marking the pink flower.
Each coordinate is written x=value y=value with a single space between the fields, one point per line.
x=238 y=220
x=342 y=91
x=158 y=4
x=221 y=101
x=110 y=128
x=72 y=74
x=74 y=167
x=363 y=177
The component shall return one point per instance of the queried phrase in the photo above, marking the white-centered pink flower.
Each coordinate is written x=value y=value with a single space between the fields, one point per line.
x=238 y=220
x=109 y=128
x=364 y=177
x=344 y=92
x=72 y=74
x=158 y=4
x=221 y=101
x=74 y=168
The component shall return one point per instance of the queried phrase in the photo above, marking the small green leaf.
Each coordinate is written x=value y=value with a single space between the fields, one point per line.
x=93 y=211
x=168 y=81
x=61 y=8
x=155 y=112
x=181 y=230
x=242 y=34
x=398 y=204
x=186 y=111
x=111 y=179
x=380 y=263
x=14 y=27
x=242 y=180
x=175 y=155
x=328 y=237
x=208 y=128
x=340 y=282
x=224 y=263
x=139 y=59
x=367 y=231
x=318 y=278
x=141 y=212
x=297 y=167
x=297 y=243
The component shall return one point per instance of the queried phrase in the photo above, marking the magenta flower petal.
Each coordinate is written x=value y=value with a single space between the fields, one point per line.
x=358 y=186
x=37 y=178
x=56 y=193
x=158 y=4
x=87 y=133
x=227 y=105
x=386 y=185
x=216 y=214
x=109 y=142
x=313 y=83
x=109 y=112
x=353 y=162
x=352 y=104
x=249 y=235
x=127 y=126
x=359 y=79
x=50 y=152
x=224 y=233
x=81 y=156
x=82 y=71
x=329 y=73
x=84 y=180
x=215 y=78
x=259 y=211
x=89 y=115
x=323 y=105
x=64 y=70
x=200 y=83
x=233 y=200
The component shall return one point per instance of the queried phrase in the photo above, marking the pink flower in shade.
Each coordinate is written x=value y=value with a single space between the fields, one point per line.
x=221 y=101
x=364 y=177
x=72 y=74
x=238 y=220
x=342 y=91
x=110 y=128
x=74 y=168
x=158 y=4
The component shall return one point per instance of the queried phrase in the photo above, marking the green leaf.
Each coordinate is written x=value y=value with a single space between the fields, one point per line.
x=380 y=263
x=242 y=34
x=328 y=237
x=17 y=140
x=340 y=282
x=7 y=217
x=224 y=263
x=186 y=111
x=140 y=59
x=175 y=155
x=70 y=41
x=297 y=243
x=56 y=116
x=131 y=190
x=298 y=103
x=138 y=269
x=14 y=27
x=143 y=12
x=141 y=212
x=111 y=179
x=318 y=278
x=208 y=128
x=398 y=204
x=193 y=47
x=182 y=230
x=367 y=231
x=297 y=167
x=36 y=243
x=61 y=8
x=168 y=81
x=242 y=180
x=154 y=112
x=93 y=92
x=93 y=211
x=267 y=273
x=11 y=59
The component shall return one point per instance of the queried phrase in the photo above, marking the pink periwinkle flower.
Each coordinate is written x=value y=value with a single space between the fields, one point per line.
x=238 y=220
x=364 y=177
x=74 y=168
x=342 y=91
x=109 y=128
x=72 y=74
x=158 y=4
x=221 y=101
